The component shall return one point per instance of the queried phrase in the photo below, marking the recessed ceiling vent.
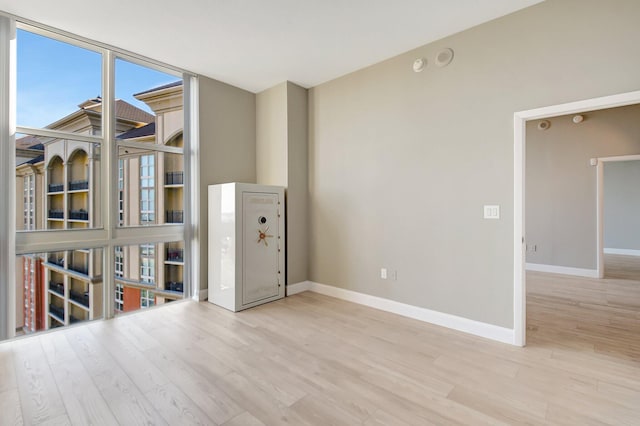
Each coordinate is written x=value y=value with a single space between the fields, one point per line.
x=444 y=57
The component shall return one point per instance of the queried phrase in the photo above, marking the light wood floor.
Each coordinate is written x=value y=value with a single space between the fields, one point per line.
x=589 y=315
x=311 y=359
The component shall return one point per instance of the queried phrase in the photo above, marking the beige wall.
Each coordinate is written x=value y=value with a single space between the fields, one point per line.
x=297 y=185
x=402 y=162
x=561 y=196
x=622 y=203
x=271 y=136
x=281 y=151
x=227 y=146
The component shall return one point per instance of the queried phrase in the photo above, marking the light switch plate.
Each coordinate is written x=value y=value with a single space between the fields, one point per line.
x=491 y=212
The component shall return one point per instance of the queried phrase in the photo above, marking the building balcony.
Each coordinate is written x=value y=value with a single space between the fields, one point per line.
x=57 y=312
x=81 y=214
x=78 y=185
x=174 y=286
x=175 y=255
x=56 y=187
x=57 y=288
x=174 y=178
x=81 y=298
x=83 y=269
x=73 y=320
x=174 y=216
x=56 y=214
x=57 y=261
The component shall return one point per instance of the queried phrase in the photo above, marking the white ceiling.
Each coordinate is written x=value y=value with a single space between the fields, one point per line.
x=256 y=44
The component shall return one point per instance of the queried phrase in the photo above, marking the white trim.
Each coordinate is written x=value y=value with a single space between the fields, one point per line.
x=477 y=328
x=599 y=216
x=48 y=133
x=298 y=287
x=564 y=270
x=519 y=120
x=519 y=249
x=594 y=104
x=631 y=157
x=626 y=252
x=108 y=188
x=191 y=138
x=7 y=177
x=145 y=146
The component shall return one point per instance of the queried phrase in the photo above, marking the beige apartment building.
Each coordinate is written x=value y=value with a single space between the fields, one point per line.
x=58 y=187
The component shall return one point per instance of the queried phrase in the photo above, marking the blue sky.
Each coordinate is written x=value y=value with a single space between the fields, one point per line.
x=54 y=77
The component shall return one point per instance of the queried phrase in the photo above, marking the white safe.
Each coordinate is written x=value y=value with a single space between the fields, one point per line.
x=246 y=245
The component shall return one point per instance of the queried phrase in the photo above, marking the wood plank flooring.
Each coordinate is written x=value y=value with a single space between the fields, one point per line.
x=314 y=360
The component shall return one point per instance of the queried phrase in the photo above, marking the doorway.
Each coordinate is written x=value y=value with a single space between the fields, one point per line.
x=619 y=217
x=520 y=121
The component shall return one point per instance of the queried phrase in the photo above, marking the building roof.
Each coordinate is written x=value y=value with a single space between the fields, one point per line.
x=165 y=86
x=148 y=130
x=29 y=142
x=124 y=110
x=36 y=160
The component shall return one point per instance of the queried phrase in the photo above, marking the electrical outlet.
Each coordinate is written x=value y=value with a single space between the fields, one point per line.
x=383 y=273
x=393 y=275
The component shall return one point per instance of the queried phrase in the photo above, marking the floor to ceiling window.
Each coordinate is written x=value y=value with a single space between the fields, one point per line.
x=100 y=201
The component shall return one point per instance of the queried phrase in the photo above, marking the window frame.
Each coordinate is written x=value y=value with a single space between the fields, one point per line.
x=148 y=263
x=108 y=235
x=119 y=298
x=121 y=206
x=148 y=215
x=28 y=199
x=147 y=299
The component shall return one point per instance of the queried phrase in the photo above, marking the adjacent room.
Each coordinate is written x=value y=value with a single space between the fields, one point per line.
x=582 y=224
x=310 y=213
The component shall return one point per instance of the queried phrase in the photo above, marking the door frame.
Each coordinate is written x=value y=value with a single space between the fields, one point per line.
x=600 y=211
x=519 y=126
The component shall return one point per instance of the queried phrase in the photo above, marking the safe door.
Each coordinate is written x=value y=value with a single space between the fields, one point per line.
x=261 y=246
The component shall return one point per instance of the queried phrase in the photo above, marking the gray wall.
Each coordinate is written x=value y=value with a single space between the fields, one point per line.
x=622 y=204
x=281 y=146
x=400 y=163
x=227 y=146
x=561 y=197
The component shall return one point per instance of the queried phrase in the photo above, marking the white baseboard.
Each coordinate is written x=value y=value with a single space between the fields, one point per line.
x=298 y=287
x=489 y=331
x=564 y=270
x=203 y=294
x=626 y=252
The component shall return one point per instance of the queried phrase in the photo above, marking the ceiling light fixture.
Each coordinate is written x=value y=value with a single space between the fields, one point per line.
x=419 y=64
x=578 y=119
